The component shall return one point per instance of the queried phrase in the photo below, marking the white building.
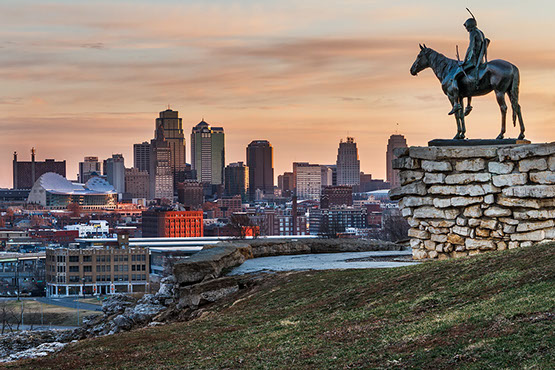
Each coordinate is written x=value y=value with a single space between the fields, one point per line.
x=94 y=229
x=308 y=180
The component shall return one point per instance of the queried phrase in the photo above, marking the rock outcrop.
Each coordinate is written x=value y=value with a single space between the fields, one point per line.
x=461 y=201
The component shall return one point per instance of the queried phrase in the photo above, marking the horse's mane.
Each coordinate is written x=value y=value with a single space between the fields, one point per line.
x=440 y=63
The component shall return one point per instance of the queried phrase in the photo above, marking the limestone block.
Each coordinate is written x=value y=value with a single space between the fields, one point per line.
x=413 y=222
x=460 y=248
x=539 y=214
x=513 y=245
x=497 y=234
x=509 y=221
x=545 y=177
x=461 y=221
x=420 y=234
x=442 y=202
x=551 y=163
x=526 y=165
x=497 y=212
x=432 y=254
x=419 y=254
x=464 y=231
x=488 y=224
x=518 y=202
x=406 y=177
x=415 y=188
x=510 y=179
x=473 y=211
x=448 y=248
x=461 y=152
x=482 y=244
x=439 y=248
x=526 y=244
x=530 y=191
x=411 y=201
x=400 y=152
x=458 y=254
x=438 y=230
x=483 y=233
x=531 y=226
x=474 y=252
x=526 y=151
x=442 y=223
x=416 y=243
x=455 y=239
x=442 y=256
x=430 y=245
x=501 y=246
x=431 y=212
x=471 y=165
x=439 y=238
x=472 y=190
x=536 y=235
x=432 y=166
x=465 y=201
x=406 y=212
x=509 y=229
x=434 y=178
x=473 y=222
x=550 y=233
x=406 y=163
x=489 y=199
x=467 y=178
x=501 y=168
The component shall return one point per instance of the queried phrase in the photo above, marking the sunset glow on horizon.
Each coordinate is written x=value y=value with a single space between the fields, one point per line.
x=89 y=78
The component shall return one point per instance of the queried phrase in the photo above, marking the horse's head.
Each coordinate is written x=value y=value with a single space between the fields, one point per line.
x=421 y=61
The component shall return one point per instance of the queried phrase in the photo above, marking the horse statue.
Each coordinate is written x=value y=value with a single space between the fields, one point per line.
x=497 y=75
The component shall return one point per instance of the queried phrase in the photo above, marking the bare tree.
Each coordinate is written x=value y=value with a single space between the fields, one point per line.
x=394 y=226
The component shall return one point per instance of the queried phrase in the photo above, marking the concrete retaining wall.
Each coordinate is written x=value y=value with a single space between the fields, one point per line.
x=466 y=200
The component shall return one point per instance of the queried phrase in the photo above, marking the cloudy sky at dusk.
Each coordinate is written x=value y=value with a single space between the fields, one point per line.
x=89 y=78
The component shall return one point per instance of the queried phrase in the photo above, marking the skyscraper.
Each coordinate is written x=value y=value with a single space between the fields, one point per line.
x=114 y=170
x=141 y=156
x=88 y=168
x=260 y=160
x=208 y=153
x=348 y=164
x=173 y=132
x=308 y=180
x=136 y=183
x=395 y=141
x=286 y=183
x=160 y=173
x=237 y=180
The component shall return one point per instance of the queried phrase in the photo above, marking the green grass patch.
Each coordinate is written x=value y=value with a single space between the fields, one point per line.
x=495 y=310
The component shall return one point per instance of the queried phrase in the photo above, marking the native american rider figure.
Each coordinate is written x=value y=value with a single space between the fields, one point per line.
x=476 y=56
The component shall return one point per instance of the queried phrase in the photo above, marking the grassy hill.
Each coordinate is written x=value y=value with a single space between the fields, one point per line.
x=495 y=310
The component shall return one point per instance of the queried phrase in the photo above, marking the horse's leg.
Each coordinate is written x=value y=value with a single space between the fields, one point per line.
x=500 y=95
x=461 y=114
x=513 y=97
x=468 y=108
x=453 y=100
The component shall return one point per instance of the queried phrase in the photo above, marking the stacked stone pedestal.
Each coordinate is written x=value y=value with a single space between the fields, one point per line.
x=461 y=201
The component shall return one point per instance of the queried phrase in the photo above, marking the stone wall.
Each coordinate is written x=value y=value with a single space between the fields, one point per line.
x=461 y=201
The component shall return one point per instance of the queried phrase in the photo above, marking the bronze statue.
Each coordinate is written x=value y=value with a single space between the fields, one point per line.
x=474 y=76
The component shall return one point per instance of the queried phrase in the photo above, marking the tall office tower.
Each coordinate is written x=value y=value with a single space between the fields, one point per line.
x=160 y=173
x=237 y=180
x=141 y=156
x=286 y=183
x=308 y=180
x=395 y=141
x=26 y=173
x=208 y=153
x=136 y=183
x=348 y=165
x=260 y=160
x=114 y=170
x=88 y=168
x=327 y=176
x=173 y=132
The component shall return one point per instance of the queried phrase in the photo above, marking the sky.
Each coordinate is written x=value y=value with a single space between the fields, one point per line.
x=82 y=78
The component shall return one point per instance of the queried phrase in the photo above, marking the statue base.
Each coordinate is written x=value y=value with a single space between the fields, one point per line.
x=477 y=142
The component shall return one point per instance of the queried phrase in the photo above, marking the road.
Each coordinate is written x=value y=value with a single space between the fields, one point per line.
x=62 y=302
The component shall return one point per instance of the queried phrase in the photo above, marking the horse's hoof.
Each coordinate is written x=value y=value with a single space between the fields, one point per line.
x=467 y=110
x=521 y=136
x=499 y=137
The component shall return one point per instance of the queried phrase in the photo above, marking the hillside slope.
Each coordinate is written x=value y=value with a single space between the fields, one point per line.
x=495 y=310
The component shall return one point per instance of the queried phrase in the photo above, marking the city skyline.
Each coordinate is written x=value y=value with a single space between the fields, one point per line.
x=79 y=81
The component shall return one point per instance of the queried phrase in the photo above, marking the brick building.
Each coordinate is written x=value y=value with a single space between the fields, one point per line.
x=341 y=195
x=26 y=173
x=172 y=224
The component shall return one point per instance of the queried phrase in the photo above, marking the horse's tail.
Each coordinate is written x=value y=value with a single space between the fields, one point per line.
x=513 y=95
